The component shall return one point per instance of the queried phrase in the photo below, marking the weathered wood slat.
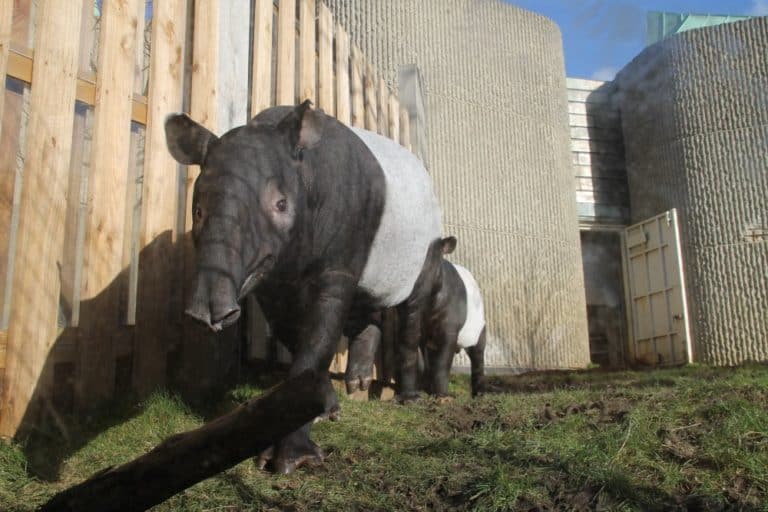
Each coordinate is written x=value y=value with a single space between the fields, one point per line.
x=405 y=129
x=261 y=79
x=190 y=457
x=394 y=118
x=383 y=108
x=307 y=59
x=108 y=183
x=286 y=53
x=32 y=329
x=371 y=109
x=6 y=18
x=325 y=57
x=343 y=98
x=358 y=101
x=159 y=195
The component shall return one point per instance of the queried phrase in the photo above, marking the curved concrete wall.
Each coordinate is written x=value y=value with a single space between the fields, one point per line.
x=497 y=122
x=694 y=112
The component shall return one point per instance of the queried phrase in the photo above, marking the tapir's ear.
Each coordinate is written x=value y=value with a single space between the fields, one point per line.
x=187 y=140
x=448 y=244
x=303 y=126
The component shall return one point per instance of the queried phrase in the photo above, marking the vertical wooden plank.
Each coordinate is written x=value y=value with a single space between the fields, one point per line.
x=21 y=31
x=383 y=107
x=394 y=118
x=343 y=97
x=371 y=110
x=10 y=144
x=32 y=330
x=108 y=184
x=261 y=79
x=158 y=260
x=6 y=18
x=405 y=129
x=325 y=59
x=358 y=105
x=286 y=53
x=307 y=58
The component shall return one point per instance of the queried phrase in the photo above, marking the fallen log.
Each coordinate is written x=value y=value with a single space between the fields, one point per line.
x=184 y=459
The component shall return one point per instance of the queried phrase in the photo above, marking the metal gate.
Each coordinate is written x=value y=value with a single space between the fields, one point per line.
x=658 y=313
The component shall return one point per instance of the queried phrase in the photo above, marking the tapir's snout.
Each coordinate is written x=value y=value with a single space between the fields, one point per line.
x=214 y=301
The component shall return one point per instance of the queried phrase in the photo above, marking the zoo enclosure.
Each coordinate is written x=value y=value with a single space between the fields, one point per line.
x=93 y=209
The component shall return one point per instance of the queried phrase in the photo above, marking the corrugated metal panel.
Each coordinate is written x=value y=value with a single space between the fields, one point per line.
x=695 y=119
x=597 y=153
x=499 y=156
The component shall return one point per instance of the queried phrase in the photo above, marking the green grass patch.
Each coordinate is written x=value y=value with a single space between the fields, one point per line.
x=693 y=437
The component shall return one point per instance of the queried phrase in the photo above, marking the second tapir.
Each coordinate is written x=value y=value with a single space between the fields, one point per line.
x=313 y=217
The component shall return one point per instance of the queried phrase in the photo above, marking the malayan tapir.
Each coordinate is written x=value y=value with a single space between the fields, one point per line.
x=313 y=217
x=452 y=319
x=455 y=320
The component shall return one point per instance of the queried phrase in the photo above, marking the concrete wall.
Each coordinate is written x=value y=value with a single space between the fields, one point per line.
x=500 y=157
x=597 y=152
x=694 y=111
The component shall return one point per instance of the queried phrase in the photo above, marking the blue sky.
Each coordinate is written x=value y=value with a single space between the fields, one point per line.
x=601 y=36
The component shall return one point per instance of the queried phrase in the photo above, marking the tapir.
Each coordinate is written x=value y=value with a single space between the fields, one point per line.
x=313 y=217
x=454 y=320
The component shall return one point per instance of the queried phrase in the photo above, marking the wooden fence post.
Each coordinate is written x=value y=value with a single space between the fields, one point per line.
x=325 y=60
x=343 y=99
x=286 y=53
x=261 y=82
x=108 y=182
x=371 y=110
x=158 y=260
x=358 y=102
x=394 y=118
x=405 y=129
x=383 y=107
x=307 y=60
x=33 y=327
x=6 y=18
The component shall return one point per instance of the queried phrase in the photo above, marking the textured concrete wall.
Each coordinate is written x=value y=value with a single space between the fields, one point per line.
x=499 y=154
x=695 y=120
x=597 y=152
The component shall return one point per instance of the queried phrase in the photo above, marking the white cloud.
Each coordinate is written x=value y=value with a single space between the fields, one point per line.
x=607 y=72
x=759 y=8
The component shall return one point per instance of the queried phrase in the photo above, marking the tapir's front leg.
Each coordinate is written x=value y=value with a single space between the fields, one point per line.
x=326 y=301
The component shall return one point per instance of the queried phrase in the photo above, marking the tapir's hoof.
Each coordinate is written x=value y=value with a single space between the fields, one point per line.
x=479 y=388
x=334 y=414
x=310 y=455
x=407 y=398
x=358 y=383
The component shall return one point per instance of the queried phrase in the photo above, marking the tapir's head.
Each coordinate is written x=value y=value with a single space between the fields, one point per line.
x=246 y=203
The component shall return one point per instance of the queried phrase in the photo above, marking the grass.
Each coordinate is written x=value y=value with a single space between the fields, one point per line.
x=689 y=438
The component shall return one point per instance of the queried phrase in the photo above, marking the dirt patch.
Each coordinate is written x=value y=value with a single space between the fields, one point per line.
x=600 y=412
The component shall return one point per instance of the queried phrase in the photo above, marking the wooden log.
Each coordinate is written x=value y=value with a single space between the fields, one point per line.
x=325 y=59
x=358 y=102
x=261 y=77
x=36 y=286
x=286 y=53
x=307 y=58
x=185 y=459
x=107 y=185
x=343 y=99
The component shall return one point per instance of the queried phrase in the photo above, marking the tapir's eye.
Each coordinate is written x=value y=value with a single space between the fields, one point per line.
x=198 y=213
x=281 y=205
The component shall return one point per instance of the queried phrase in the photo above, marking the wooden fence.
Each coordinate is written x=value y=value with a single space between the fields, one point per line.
x=93 y=215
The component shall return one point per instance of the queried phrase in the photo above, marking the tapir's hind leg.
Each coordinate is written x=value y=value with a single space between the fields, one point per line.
x=477 y=359
x=362 y=353
x=440 y=354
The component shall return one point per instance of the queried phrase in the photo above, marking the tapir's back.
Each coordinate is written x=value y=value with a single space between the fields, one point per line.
x=409 y=224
